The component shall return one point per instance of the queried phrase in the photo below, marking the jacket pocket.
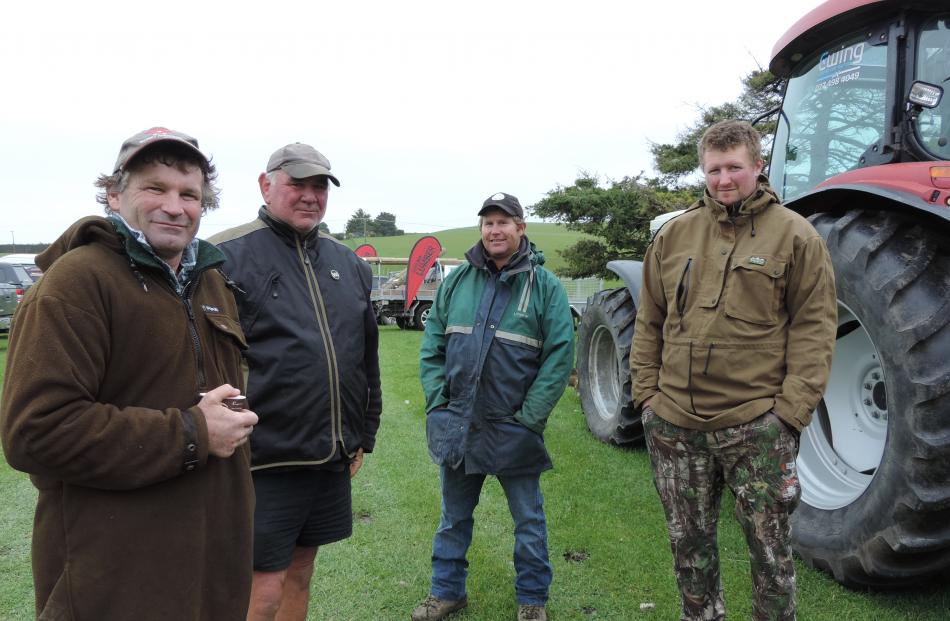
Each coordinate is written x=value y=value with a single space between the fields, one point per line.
x=225 y=325
x=682 y=289
x=757 y=285
x=251 y=301
x=512 y=448
x=226 y=343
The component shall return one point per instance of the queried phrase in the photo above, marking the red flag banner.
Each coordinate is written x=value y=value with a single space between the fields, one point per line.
x=421 y=259
x=366 y=250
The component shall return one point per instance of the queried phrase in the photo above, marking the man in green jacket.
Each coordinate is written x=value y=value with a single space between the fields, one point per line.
x=497 y=352
x=119 y=361
x=731 y=353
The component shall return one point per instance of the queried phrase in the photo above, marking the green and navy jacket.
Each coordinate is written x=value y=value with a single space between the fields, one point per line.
x=497 y=352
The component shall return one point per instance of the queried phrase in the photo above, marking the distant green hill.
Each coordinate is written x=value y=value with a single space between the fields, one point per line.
x=548 y=237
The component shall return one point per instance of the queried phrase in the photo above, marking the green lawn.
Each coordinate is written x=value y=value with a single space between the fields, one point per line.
x=607 y=535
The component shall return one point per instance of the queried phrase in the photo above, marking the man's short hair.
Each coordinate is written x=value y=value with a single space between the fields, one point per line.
x=726 y=135
x=165 y=152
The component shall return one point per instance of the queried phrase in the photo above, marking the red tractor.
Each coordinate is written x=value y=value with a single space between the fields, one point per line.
x=862 y=147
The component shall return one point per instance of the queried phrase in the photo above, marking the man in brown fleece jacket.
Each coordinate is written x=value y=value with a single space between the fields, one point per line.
x=731 y=353
x=119 y=360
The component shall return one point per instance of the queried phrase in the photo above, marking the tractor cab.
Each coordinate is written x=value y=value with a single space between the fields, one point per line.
x=861 y=92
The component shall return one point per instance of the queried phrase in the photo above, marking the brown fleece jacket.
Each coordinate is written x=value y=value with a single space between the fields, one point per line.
x=134 y=519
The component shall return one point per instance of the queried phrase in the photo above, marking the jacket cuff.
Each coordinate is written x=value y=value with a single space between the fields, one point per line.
x=195 y=445
x=535 y=426
x=645 y=396
x=795 y=417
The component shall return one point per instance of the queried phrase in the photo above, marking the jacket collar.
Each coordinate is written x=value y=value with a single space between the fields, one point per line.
x=115 y=235
x=525 y=258
x=755 y=204
x=286 y=232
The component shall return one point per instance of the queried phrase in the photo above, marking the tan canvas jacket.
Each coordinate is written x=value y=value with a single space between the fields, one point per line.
x=737 y=316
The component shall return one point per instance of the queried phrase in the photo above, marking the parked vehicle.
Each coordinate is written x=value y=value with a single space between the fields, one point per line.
x=26 y=261
x=863 y=149
x=389 y=294
x=8 y=305
x=17 y=277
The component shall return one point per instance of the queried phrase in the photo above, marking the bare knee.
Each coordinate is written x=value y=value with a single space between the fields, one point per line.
x=267 y=588
x=301 y=567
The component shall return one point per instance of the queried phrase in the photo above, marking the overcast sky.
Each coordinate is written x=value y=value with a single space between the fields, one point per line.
x=423 y=108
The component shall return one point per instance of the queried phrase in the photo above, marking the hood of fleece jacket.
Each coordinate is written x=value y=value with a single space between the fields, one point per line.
x=88 y=230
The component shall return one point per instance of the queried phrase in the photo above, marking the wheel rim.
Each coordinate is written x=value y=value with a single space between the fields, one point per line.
x=424 y=316
x=843 y=447
x=604 y=373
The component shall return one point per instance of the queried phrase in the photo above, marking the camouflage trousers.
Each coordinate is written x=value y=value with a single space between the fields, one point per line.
x=757 y=461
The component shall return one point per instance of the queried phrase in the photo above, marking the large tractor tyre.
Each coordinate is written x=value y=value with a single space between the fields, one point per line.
x=604 y=337
x=421 y=316
x=875 y=462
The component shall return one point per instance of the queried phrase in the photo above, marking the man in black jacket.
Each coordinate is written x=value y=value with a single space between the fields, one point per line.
x=313 y=365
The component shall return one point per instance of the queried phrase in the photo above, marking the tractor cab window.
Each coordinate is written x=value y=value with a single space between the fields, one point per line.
x=833 y=114
x=933 y=66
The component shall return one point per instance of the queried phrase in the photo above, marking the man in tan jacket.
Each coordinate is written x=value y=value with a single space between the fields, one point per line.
x=731 y=353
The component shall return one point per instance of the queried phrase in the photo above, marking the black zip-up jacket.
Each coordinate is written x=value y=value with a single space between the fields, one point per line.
x=313 y=364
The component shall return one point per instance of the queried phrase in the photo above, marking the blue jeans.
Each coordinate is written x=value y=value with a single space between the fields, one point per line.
x=460 y=494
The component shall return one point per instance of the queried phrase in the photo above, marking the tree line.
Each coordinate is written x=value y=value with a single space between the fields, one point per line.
x=22 y=248
x=618 y=213
x=363 y=224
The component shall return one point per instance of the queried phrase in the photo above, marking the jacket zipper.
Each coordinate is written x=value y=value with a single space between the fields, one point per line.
x=199 y=359
x=316 y=297
x=682 y=289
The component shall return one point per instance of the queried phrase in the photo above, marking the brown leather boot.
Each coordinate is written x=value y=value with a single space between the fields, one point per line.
x=433 y=609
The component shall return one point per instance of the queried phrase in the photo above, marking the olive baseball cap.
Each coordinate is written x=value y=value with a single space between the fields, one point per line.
x=506 y=202
x=300 y=161
x=134 y=145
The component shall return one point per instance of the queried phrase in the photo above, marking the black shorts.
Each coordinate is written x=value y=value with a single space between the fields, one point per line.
x=299 y=508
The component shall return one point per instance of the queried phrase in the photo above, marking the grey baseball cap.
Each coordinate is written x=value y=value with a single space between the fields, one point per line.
x=300 y=161
x=506 y=202
x=134 y=145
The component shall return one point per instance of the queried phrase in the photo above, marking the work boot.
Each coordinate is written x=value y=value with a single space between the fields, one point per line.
x=531 y=612
x=432 y=608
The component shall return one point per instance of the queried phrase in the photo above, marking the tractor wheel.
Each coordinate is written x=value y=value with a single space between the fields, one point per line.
x=875 y=462
x=604 y=337
x=421 y=316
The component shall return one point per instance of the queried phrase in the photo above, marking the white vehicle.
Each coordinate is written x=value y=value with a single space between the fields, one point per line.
x=19 y=259
x=26 y=261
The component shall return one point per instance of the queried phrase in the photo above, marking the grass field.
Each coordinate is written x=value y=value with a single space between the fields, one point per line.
x=548 y=237
x=607 y=534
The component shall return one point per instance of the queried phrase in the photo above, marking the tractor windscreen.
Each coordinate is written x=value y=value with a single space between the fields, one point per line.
x=833 y=113
x=933 y=66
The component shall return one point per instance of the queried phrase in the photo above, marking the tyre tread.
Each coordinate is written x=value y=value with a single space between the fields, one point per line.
x=890 y=537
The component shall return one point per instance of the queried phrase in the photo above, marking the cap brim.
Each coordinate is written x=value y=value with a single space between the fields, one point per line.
x=303 y=170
